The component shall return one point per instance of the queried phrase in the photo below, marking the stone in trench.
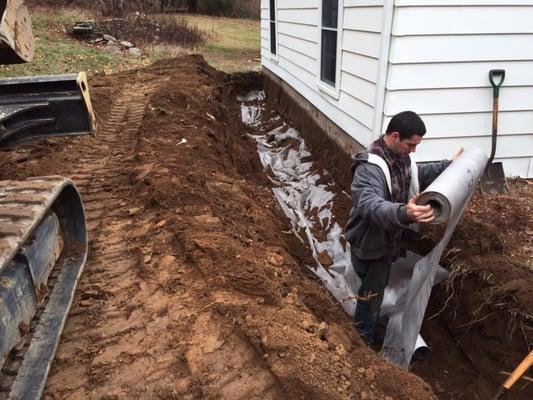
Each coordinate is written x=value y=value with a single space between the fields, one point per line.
x=340 y=350
x=126 y=44
x=134 y=52
x=275 y=259
x=212 y=344
x=325 y=259
x=365 y=396
x=109 y=38
x=322 y=330
x=207 y=219
x=370 y=374
x=336 y=336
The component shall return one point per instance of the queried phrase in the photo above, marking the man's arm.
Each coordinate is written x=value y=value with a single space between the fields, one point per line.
x=369 y=195
x=428 y=172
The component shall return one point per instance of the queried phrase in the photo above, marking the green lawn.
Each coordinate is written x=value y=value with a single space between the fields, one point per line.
x=232 y=45
x=58 y=53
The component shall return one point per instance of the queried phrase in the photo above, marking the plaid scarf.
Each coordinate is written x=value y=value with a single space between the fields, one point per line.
x=400 y=170
x=400 y=173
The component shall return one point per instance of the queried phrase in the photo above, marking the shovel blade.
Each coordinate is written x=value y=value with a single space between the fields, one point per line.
x=493 y=180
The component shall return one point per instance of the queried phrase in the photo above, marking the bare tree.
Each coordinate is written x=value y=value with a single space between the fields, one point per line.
x=192 y=6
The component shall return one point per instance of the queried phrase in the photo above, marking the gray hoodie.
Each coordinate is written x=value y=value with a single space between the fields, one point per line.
x=375 y=222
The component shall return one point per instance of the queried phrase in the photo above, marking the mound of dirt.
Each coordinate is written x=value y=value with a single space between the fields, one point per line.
x=481 y=317
x=195 y=287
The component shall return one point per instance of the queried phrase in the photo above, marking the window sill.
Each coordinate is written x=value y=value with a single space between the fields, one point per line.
x=333 y=92
x=273 y=57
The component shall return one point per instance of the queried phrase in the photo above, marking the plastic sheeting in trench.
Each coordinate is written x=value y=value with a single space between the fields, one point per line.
x=305 y=197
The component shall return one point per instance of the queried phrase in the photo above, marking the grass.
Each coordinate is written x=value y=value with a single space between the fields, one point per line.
x=58 y=53
x=231 y=45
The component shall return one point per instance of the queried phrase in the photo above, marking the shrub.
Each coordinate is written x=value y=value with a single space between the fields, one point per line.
x=231 y=8
x=142 y=29
x=226 y=8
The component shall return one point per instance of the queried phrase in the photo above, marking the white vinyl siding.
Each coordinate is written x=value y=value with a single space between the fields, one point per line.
x=362 y=25
x=298 y=63
x=458 y=75
x=495 y=20
x=467 y=48
x=463 y=2
x=361 y=66
x=440 y=56
x=303 y=16
x=437 y=64
x=364 y=19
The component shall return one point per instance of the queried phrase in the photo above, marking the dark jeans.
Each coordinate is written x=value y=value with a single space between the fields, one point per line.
x=374 y=276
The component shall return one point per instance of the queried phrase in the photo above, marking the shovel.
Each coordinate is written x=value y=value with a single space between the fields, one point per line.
x=516 y=375
x=493 y=180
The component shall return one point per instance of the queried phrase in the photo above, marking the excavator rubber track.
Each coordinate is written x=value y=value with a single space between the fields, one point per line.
x=43 y=249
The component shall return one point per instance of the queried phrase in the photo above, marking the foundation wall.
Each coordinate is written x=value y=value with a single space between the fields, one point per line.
x=332 y=145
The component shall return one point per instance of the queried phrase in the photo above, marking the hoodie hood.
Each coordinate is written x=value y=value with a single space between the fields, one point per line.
x=357 y=160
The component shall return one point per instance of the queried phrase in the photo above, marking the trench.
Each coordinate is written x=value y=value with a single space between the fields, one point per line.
x=197 y=288
x=472 y=343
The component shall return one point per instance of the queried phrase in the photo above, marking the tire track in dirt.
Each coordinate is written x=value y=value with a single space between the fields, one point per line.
x=102 y=178
x=115 y=344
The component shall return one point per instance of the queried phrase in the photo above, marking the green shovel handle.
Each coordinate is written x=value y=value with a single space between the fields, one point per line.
x=496 y=74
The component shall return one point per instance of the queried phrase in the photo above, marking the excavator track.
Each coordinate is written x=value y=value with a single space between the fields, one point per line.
x=43 y=243
x=103 y=177
x=24 y=204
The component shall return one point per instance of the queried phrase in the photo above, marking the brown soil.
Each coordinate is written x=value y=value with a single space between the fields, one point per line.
x=194 y=287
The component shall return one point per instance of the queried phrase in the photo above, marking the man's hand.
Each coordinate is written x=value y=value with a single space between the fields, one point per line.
x=458 y=154
x=420 y=214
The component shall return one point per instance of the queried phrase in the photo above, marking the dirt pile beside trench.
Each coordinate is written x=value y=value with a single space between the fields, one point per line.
x=480 y=319
x=195 y=286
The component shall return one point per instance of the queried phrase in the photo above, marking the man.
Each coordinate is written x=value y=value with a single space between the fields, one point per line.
x=385 y=188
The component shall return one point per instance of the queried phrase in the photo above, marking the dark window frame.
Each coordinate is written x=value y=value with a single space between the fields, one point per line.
x=273 y=31
x=329 y=40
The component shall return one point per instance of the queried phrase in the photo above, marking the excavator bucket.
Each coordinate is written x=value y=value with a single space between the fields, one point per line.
x=38 y=107
x=16 y=35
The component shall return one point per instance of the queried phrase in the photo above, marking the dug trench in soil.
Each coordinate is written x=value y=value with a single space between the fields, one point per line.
x=194 y=286
x=479 y=322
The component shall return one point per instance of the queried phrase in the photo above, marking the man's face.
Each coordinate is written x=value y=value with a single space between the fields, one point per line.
x=402 y=148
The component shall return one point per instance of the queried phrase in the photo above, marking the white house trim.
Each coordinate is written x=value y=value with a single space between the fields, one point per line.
x=388 y=18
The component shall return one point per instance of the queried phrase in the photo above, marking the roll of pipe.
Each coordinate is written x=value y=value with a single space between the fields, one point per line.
x=451 y=189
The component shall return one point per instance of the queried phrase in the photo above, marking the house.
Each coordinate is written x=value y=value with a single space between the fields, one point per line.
x=359 y=62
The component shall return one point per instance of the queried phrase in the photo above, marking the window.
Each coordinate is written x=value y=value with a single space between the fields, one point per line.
x=273 y=26
x=328 y=56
